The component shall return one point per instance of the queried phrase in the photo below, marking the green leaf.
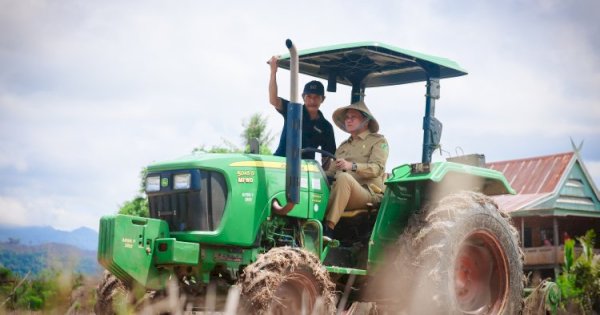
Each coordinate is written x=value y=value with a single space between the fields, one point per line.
x=569 y=255
x=138 y=206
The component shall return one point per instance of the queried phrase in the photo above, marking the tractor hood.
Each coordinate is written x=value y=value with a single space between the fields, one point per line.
x=372 y=64
x=218 y=194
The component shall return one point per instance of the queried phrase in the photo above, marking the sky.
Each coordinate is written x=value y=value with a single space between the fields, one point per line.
x=93 y=91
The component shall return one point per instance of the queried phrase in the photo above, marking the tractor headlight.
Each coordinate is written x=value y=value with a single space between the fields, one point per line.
x=182 y=181
x=152 y=183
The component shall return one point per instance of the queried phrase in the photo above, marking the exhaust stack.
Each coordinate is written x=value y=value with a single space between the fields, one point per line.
x=293 y=139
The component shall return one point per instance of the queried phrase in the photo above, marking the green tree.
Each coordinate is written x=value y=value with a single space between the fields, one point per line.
x=580 y=280
x=256 y=128
x=138 y=206
x=7 y=283
x=226 y=147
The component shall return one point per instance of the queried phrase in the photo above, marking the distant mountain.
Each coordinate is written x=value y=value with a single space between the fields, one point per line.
x=22 y=259
x=83 y=238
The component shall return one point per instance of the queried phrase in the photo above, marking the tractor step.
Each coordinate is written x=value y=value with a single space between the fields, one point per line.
x=345 y=270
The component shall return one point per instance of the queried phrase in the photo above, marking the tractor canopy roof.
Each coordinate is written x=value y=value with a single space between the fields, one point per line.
x=372 y=64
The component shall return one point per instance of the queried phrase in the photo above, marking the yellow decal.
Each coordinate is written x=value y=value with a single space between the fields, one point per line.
x=265 y=164
x=271 y=164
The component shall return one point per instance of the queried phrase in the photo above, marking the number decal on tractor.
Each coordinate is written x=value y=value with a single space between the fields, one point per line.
x=245 y=176
x=127 y=242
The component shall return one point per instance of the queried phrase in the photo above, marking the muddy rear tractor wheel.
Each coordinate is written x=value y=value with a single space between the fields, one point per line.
x=463 y=257
x=287 y=281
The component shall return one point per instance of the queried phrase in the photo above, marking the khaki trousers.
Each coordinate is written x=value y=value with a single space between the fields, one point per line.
x=346 y=194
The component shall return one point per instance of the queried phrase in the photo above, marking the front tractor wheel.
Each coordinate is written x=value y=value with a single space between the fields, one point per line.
x=464 y=257
x=287 y=281
x=114 y=297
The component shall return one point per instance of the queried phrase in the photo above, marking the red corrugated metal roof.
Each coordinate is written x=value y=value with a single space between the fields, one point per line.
x=536 y=175
x=510 y=203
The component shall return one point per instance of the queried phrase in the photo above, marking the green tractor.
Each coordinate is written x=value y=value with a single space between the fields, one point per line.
x=436 y=244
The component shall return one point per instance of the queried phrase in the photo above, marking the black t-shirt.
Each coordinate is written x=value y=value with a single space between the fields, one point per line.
x=315 y=133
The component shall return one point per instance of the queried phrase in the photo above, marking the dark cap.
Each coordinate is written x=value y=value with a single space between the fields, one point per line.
x=314 y=87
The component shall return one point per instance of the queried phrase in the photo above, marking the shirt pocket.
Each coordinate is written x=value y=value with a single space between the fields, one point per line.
x=365 y=152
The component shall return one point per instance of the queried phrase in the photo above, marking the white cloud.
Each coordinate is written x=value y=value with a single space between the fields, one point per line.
x=56 y=211
x=12 y=162
x=593 y=168
x=13 y=212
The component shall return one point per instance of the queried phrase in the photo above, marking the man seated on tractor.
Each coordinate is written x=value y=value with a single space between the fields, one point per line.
x=359 y=168
x=316 y=130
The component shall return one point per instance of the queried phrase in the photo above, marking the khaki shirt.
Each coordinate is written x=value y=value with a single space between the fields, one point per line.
x=370 y=152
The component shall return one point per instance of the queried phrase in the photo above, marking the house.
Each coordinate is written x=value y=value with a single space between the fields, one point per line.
x=556 y=199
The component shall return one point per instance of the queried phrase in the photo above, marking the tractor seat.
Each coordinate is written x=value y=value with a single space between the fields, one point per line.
x=371 y=207
x=370 y=210
x=356 y=225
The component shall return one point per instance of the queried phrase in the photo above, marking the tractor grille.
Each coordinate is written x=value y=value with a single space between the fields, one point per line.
x=197 y=209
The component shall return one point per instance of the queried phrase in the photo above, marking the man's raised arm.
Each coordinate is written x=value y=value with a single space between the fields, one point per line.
x=273 y=97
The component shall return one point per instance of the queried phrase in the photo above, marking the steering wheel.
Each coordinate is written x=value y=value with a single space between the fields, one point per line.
x=330 y=179
x=322 y=152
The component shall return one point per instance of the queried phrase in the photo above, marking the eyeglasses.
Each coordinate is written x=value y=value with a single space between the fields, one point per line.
x=353 y=117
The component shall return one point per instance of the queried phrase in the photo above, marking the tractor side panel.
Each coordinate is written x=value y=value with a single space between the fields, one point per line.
x=396 y=208
x=126 y=246
x=318 y=191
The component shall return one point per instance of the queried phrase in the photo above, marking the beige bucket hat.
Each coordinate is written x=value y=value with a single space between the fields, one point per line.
x=339 y=116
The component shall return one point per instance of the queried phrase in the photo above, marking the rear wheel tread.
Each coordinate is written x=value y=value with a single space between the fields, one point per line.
x=434 y=239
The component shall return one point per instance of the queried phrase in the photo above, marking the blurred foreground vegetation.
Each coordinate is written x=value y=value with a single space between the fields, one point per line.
x=50 y=278
x=50 y=291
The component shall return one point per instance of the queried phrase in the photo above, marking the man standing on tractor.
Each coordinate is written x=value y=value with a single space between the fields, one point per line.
x=316 y=130
x=359 y=168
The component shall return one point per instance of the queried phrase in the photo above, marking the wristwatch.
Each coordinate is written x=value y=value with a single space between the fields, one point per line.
x=354 y=166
